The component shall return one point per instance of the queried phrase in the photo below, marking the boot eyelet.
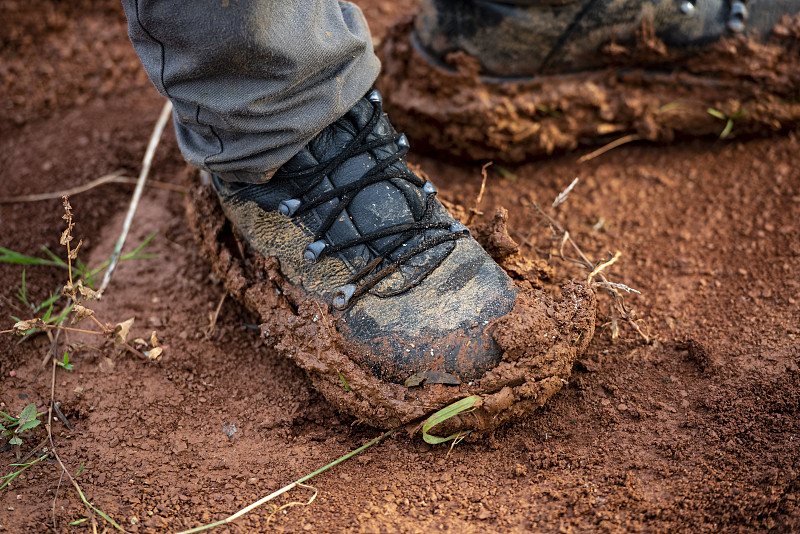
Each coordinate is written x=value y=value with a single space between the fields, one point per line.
x=737 y=17
x=314 y=250
x=402 y=141
x=288 y=207
x=457 y=227
x=342 y=299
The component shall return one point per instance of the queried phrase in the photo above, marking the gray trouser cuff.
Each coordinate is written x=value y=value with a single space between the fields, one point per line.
x=252 y=81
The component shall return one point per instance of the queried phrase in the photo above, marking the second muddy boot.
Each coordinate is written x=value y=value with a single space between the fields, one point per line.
x=523 y=38
x=510 y=79
x=355 y=230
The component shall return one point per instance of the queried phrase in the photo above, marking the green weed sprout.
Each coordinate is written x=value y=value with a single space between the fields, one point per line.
x=14 y=426
x=65 y=364
x=727 y=118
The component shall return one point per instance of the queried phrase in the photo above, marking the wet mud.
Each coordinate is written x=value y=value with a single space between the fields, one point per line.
x=540 y=338
x=696 y=432
x=644 y=90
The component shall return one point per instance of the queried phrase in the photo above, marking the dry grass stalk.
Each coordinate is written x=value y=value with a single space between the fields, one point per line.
x=115 y=177
x=137 y=193
x=558 y=234
x=610 y=146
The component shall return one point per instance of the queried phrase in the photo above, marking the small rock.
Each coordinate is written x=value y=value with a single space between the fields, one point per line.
x=520 y=470
x=229 y=429
x=156 y=521
x=484 y=514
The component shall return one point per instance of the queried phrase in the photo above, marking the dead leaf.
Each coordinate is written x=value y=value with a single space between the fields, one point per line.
x=73 y=254
x=81 y=313
x=153 y=339
x=65 y=237
x=121 y=331
x=87 y=292
x=432 y=377
x=23 y=326
x=68 y=290
x=154 y=354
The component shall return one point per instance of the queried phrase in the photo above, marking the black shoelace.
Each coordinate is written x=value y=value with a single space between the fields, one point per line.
x=385 y=169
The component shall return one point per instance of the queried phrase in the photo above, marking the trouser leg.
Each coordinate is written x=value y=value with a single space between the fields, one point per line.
x=252 y=81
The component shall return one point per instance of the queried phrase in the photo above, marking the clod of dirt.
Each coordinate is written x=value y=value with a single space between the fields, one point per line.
x=754 y=85
x=541 y=339
x=493 y=236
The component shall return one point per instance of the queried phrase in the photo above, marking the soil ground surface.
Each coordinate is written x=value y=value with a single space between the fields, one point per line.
x=696 y=432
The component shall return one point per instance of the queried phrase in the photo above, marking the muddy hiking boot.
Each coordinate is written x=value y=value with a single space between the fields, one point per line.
x=356 y=230
x=365 y=280
x=509 y=79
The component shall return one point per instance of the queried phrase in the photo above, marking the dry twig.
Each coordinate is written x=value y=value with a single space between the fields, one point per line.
x=212 y=323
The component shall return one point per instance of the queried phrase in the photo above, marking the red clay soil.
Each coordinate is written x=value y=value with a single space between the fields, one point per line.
x=696 y=432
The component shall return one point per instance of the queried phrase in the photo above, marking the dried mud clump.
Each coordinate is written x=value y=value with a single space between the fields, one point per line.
x=527 y=272
x=541 y=338
x=754 y=85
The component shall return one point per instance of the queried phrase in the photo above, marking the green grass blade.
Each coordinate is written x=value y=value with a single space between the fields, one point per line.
x=464 y=405
x=716 y=113
x=9 y=256
x=47 y=303
x=727 y=131
x=46 y=316
x=53 y=257
x=11 y=476
x=63 y=315
x=97 y=510
x=22 y=294
x=140 y=248
x=135 y=255
x=346 y=385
